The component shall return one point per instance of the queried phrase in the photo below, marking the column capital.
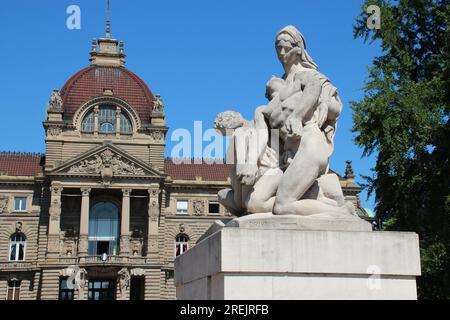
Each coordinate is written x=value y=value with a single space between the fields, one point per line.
x=56 y=189
x=153 y=192
x=85 y=191
x=126 y=192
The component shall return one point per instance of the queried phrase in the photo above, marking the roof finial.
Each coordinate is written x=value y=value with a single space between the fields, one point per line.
x=108 y=21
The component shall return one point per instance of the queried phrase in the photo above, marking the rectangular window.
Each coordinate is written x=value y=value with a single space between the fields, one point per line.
x=20 y=203
x=13 y=290
x=65 y=290
x=214 y=208
x=182 y=207
x=101 y=290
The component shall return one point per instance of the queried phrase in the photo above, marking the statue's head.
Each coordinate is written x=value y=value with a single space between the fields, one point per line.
x=228 y=121
x=291 y=48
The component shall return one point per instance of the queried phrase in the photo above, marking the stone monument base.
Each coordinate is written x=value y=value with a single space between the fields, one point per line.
x=244 y=262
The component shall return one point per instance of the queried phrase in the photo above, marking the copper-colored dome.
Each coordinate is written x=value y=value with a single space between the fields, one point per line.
x=92 y=81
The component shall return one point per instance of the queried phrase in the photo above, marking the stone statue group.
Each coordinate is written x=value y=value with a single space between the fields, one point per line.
x=280 y=158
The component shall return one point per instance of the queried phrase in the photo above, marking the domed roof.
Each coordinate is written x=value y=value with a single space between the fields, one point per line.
x=92 y=82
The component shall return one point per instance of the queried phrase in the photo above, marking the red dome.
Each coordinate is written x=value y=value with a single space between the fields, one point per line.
x=92 y=81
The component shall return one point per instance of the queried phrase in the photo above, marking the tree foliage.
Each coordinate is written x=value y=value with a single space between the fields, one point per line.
x=404 y=119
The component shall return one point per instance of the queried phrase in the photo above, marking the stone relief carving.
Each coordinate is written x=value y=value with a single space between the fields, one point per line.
x=70 y=244
x=124 y=244
x=4 y=204
x=153 y=192
x=137 y=272
x=124 y=282
x=55 y=206
x=54 y=131
x=199 y=207
x=107 y=164
x=136 y=246
x=157 y=135
x=83 y=244
x=158 y=104
x=54 y=244
x=55 y=210
x=137 y=243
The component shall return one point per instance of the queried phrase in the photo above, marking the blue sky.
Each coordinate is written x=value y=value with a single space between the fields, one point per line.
x=202 y=56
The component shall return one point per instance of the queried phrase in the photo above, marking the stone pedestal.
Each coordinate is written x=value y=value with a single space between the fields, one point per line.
x=254 y=263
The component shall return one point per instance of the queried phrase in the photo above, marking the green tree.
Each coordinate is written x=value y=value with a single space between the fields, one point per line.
x=404 y=119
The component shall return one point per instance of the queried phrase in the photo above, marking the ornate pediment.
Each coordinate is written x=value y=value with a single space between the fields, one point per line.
x=108 y=162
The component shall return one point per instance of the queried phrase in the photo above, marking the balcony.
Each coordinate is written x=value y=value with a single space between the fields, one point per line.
x=108 y=260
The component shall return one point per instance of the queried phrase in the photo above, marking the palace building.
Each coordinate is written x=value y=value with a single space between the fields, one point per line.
x=102 y=214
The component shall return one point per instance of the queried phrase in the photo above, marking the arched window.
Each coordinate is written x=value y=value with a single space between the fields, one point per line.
x=107 y=118
x=88 y=123
x=103 y=229
x=17 y=247
x=125 y=124
x=181 y=244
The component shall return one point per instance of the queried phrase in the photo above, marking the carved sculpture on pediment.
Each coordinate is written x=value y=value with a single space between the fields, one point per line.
x=107 y=164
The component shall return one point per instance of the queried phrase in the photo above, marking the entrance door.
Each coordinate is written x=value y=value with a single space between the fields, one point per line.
x=101 y=290
x=137 y=288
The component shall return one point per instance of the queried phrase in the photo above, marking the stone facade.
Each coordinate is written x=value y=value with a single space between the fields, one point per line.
x=49 y=200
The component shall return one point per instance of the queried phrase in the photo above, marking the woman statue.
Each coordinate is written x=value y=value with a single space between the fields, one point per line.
x=298 y=123
x=306 y=110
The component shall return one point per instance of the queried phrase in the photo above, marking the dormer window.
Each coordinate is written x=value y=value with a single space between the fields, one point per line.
x=106 y=120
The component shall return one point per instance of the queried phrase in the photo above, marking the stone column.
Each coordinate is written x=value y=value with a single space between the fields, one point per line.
x=153 y=214
x=96 y=129
x=125 y=223
x=118 y=112
x=84 y=222
x=53 y=247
